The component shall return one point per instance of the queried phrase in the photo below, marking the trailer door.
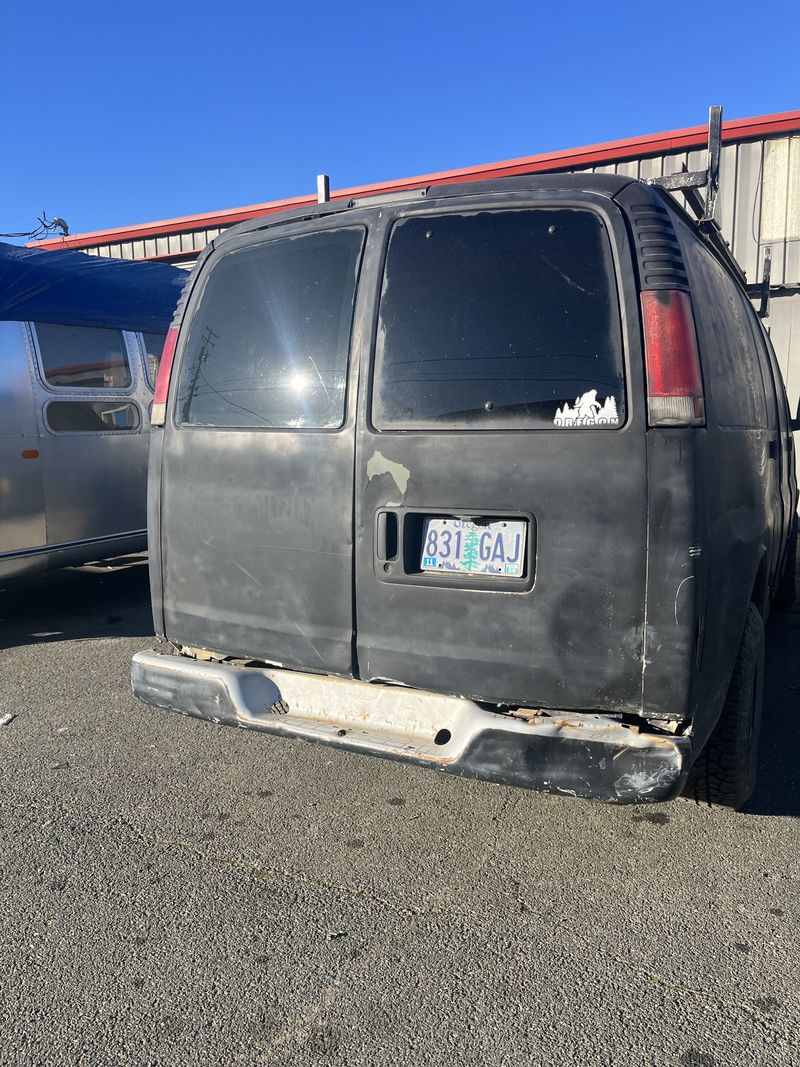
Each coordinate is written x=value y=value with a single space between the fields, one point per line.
x=94 y=434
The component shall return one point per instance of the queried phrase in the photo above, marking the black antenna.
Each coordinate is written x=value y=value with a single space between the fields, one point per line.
x=46 y=228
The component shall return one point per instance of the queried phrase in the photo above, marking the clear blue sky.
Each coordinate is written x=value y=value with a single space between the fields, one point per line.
x=119 y=113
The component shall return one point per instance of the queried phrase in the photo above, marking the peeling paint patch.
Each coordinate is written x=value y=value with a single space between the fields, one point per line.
x=378 y=464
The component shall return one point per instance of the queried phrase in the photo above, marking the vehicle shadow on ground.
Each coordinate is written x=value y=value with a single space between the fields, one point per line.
x=778 y=789
x=111 y=599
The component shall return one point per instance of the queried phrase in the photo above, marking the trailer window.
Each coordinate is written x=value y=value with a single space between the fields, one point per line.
x=90 y=416
x=83 y=357
x=499 y=320
x=269 y=341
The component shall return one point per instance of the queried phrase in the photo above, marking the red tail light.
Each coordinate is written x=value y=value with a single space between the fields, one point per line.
x=158 y=412
x=674 y=384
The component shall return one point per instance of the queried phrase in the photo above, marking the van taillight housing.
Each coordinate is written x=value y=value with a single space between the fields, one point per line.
x=672 y=362
x=158 y=412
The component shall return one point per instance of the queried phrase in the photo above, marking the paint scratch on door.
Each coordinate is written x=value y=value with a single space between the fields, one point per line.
x=378 y=464
x=678 y=593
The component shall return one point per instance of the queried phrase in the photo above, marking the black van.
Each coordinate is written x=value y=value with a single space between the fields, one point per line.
x=496 y=478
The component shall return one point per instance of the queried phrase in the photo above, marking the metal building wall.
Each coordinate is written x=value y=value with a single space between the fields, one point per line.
x=784 y=329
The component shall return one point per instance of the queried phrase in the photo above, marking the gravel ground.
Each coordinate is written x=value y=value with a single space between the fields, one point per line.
x=178 y=893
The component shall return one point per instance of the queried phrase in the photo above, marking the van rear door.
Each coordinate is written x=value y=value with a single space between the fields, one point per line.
x=257 y=468
x=501 y=501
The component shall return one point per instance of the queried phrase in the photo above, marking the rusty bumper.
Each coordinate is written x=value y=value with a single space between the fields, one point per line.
x=585 y=755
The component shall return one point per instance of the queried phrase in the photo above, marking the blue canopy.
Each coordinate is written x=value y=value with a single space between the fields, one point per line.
x=76 y=289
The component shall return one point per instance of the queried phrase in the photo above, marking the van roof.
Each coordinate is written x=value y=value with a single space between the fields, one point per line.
x=608 y=185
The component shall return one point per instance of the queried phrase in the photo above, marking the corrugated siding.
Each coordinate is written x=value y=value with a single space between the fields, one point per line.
x=175 y=246
x=784 y=329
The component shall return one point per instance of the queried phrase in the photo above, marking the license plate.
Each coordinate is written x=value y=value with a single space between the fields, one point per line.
x=465 y=547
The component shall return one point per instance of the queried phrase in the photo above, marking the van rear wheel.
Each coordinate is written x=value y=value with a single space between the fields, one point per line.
x=725 y=771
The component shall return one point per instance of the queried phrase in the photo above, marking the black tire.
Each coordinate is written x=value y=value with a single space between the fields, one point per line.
x=725 y=771
x=787 y=588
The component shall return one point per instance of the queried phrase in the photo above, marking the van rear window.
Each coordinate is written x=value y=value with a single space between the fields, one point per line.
x=269 y=341
x=499 y=320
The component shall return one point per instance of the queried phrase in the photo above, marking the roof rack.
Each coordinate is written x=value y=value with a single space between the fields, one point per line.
x=689 y=181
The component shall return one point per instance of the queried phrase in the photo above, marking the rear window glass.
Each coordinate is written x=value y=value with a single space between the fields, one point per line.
x=83 y=357
x=269 y=342
x=496 y=320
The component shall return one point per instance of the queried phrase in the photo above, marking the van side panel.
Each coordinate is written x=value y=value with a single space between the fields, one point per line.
x=675 y=591
x=709 y=490
x=733 y=544
x=675 y=573
x=735 y=479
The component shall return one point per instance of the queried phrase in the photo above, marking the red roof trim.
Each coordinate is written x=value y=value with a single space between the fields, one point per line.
x=631 y=148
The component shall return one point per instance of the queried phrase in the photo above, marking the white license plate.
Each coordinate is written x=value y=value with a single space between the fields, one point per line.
x=464 y=547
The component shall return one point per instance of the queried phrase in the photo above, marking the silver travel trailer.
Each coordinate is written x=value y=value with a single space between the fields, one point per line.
x=80 y=339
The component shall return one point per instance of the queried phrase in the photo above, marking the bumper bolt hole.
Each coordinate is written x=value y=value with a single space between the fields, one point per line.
x=442 y=737
x=341 y=733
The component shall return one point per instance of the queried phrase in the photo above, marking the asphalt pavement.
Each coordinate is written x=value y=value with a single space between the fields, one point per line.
x=175 y=893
